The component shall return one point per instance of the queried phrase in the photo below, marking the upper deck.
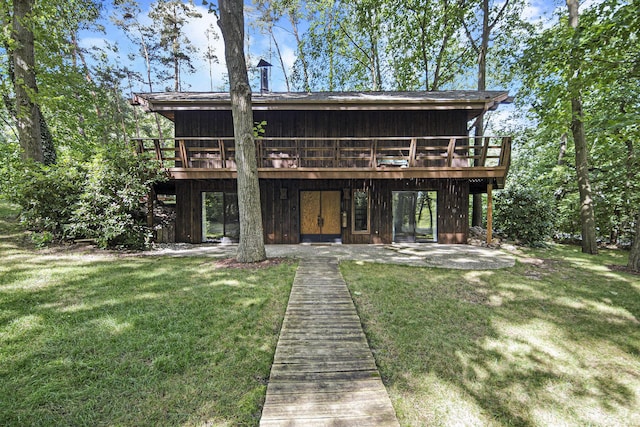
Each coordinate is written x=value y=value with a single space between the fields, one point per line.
x=334 y=135
x=484 y=158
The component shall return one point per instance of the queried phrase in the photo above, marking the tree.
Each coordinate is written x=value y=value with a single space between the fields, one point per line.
x=589 y=243
x=493 y=21
x=173 y=47
x=28 y=114
x=231 y=22
x=423 y=50
x=634 y=255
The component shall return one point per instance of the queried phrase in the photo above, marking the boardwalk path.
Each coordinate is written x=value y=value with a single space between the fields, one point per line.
x=323 y=373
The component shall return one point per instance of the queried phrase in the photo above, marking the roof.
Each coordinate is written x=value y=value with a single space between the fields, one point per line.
x=166 y=103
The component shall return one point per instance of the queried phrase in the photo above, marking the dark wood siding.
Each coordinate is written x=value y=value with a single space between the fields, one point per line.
x=280 y=198
x=280 y=201
x=327 y=123
x=453 y=211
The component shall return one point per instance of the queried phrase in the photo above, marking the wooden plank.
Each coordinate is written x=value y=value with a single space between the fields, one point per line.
x=324 y=366
x=373 y=421
x=304 y=398
x=316 y=387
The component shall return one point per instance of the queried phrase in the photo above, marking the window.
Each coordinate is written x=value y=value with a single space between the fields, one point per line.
x=360 y=211
x=220 y=222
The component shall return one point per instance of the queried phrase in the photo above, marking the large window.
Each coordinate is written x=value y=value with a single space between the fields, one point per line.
x=415 y=216
x=220 y=222
x=360 y=209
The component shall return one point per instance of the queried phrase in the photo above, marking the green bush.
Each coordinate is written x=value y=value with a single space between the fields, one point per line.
x=110 y=208
x=101 y=200
x=524 y=214
x=47 y=195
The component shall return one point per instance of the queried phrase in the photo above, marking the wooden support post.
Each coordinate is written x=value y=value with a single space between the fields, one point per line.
x=412 y=152
x=223 y=155
x=158 y=149
x=489 y=213
x=450 y=150
x=184 y=157
x=150 y=198
x=483 y=153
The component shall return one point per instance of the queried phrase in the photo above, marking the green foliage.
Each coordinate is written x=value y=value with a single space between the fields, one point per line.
x=524 y=214
x=109 y=208
x=47 y=195
x=101 y=200
x=607 y=77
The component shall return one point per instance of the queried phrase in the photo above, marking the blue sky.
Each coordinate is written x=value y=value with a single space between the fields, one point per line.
x=258 y=45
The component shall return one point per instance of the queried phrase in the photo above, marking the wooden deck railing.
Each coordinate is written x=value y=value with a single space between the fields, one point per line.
x=333 y=153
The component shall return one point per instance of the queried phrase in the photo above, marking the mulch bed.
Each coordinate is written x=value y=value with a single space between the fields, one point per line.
x=269 y=262
x=624 y=269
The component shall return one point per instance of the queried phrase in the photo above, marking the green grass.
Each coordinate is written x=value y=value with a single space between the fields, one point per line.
x=122 y=340
x=554 y=340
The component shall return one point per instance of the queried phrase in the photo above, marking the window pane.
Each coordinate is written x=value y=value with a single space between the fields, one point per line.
x=360 y=211
x=220 y=217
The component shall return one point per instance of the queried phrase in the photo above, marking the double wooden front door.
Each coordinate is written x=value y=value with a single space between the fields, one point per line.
x=320 y=216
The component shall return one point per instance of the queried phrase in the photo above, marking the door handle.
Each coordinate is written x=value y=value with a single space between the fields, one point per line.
x=320 y=221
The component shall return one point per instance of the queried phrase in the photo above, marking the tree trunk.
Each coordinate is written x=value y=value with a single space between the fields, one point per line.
x=587 y=216
x=27 y=111
x=476 y=212
x=634 y=255
x=231 y=22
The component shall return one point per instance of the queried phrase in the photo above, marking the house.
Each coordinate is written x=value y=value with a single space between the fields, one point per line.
x=350 y=167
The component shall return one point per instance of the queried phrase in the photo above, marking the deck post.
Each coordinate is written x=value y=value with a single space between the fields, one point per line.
x=158 y=150
x=184 y=157
x=150 y=198
x=412 y=152
x=450 y=150
x=489 y=213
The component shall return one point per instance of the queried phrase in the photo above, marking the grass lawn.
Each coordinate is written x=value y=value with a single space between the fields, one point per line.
x=128 y=340
x=554 y=340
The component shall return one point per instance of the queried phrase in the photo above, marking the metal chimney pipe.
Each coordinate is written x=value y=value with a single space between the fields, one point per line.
x=264 y=75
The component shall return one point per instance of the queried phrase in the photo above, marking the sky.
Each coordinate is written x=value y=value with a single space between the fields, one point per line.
x=258 y=46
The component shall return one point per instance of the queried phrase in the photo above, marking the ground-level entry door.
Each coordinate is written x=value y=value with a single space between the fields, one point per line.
x=320 y=216
x=414 y=216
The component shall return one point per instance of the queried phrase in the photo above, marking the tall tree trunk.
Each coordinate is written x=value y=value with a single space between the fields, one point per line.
x=587 y=216
x=634 y=255
x=231 y=22
x=27 y=111
x=476 y=212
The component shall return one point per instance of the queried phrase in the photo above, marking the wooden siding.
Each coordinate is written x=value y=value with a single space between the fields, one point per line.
x=327 y=123
x=280 y=200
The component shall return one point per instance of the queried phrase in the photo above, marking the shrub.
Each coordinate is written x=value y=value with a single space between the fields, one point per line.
x=101 y=200
x=110 y=208
x=524 y=214
x=47 y=195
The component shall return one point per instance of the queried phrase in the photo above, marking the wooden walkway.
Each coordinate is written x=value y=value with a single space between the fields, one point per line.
x=324 y=373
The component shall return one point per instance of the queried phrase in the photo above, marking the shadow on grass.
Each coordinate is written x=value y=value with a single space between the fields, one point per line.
x=135 y=341
x=552 y=341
